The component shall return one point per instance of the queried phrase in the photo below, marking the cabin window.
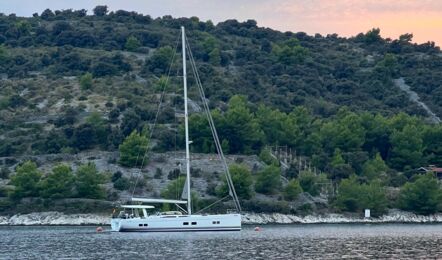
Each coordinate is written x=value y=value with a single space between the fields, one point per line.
x=217 y=222
x=185 y=223
x=145 y=225
x=213 y=222
x=140 y=225
x=193 y=223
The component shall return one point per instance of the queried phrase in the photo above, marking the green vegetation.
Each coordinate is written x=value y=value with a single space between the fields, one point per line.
x=423 y=196
x=311 y=182
x=292 y=190
x=86 y=81
x=133 y=149
x=73 y=82
x=268 y=180
x=88 y=182
x=132 y=43
x=26 y=180
x=354 y=197
x=242 y=181
x=59 y=183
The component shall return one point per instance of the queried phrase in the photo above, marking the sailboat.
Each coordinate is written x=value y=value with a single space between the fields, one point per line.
x=183 y=220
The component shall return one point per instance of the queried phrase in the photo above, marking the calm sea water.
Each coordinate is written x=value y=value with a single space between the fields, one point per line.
x=404 y=241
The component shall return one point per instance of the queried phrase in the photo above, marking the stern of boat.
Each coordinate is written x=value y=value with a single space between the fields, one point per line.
x=116 y=224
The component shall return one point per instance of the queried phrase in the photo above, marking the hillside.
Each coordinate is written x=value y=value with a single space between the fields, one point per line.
x=75 y=84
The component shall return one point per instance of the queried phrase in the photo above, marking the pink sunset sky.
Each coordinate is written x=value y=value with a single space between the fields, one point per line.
x=423 y=18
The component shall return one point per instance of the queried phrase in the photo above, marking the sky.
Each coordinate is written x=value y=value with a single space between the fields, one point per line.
x=347 y=18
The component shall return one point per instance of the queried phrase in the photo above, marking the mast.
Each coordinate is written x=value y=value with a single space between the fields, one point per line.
x=186 y=122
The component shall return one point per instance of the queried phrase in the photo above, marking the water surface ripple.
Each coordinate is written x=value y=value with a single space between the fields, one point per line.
x=362 y=241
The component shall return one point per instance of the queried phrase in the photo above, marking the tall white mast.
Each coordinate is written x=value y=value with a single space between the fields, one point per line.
x=186 y=122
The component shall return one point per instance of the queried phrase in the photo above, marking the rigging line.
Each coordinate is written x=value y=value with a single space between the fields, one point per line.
x=156 y=117
x=216 y=202
x=213 y=130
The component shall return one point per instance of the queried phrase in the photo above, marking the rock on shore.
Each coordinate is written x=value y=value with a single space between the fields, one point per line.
x=57 y=218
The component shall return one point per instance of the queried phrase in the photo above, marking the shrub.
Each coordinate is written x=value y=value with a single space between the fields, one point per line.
x=26 y=180
x=353 y=196
x=87 y=182
x=269 y=180
x=311 y=183
x=422 y=196
x=86 y=81
x=117 y=175
x=132 y=43
x=133 y=149
x=292 y=190
x=59 y=183
x=122 y=183
x=242 y=182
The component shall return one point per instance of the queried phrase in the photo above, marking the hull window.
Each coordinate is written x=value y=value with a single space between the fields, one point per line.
x=185 y=223
x=145 y=225
x=193 y=223
x=140 y=225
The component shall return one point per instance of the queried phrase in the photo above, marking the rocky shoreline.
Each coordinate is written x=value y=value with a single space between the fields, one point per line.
x=58 y=218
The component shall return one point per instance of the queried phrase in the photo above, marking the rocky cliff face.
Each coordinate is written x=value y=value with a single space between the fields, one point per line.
x=57 y=218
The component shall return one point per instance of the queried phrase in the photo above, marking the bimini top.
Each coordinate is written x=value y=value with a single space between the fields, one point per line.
x=159 y=201
x=137 y=206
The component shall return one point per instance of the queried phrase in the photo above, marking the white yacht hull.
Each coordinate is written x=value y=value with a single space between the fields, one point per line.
x=178 y=223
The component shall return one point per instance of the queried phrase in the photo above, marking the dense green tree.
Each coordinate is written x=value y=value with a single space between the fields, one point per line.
x=268 y=180
x=373 y=36
x=292 y=190
x=337 y=158
x=290 y=52
x=215 y=57
x=406 y=38
x=133 y=149
x=422 y=196
x=311 y=182
x=375 y=168
x=59 y=183
x=132 y=43
x=345 y=133
x=241 y=129
x=266 y=156
x=25 y=180
x=242 y=181
x=100 y=10
x=432 y=141
x=355 y=197
x=407 y=148
x=87 y=182
x=122 y=183
x=160 y=60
